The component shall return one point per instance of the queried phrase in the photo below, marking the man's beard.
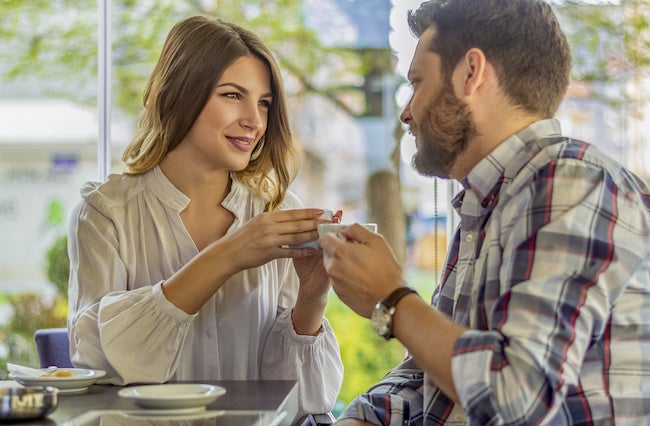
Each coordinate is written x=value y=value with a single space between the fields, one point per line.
x=444 y=134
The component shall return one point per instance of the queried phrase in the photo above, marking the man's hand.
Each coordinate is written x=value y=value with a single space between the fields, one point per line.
x=362 y=267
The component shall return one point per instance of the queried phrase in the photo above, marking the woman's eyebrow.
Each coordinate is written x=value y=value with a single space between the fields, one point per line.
x=242 y=89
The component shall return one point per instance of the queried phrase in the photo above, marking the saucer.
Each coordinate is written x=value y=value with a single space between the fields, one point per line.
x=79 y=382
x=172 y=396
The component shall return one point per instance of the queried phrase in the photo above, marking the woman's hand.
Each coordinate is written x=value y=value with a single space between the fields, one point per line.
x=307 y=315
x=264 y=238
x=268 y=236
x=314 y=283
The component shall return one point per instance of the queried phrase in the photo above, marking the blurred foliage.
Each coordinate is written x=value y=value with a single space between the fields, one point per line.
x=64 y=49
x=58 y=265
x=55 y=216
x=610 y=44
x=611 y=64
x=366 y=356
x=31 y=312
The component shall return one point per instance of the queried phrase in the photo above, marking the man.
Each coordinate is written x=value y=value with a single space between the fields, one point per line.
x=542 y=315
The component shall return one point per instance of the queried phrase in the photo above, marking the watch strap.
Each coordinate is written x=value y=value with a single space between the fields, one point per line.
x=397 y=295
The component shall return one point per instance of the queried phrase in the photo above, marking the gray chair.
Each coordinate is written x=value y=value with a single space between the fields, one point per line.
x=53 y=347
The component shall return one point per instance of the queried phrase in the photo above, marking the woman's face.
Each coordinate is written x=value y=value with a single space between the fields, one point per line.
x=235 y=117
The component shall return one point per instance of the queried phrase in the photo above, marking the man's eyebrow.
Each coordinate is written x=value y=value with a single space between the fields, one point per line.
x=242 y=89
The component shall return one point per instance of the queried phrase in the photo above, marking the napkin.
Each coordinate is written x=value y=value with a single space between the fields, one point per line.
x=21 y=370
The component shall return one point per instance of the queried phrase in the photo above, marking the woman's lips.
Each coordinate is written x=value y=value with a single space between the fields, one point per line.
x=241 y=143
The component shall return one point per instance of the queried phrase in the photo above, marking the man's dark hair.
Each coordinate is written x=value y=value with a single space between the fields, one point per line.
x=522 y=39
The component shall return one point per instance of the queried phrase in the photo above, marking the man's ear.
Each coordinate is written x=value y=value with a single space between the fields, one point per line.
x=472 y=70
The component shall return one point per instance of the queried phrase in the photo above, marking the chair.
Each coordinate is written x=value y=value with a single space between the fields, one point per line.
x=53 y=347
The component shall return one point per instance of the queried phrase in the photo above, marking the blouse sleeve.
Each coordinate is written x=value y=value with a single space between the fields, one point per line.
x=134 y=335
x=314 y=361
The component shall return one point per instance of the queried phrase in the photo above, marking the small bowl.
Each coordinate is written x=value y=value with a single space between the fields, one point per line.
x=24 y=403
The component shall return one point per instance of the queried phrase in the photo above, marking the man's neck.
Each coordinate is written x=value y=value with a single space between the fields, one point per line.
x=490 y=134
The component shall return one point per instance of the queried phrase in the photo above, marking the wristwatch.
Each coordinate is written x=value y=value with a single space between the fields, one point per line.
x=382 y=315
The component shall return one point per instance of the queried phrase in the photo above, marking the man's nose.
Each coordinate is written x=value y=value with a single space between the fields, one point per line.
x=405 y=116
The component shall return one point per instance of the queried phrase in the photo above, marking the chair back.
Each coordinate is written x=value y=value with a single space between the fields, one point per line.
x=53 y=347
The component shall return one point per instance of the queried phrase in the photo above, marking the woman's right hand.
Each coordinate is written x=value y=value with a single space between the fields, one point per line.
x=268 y=236
x=265 y=237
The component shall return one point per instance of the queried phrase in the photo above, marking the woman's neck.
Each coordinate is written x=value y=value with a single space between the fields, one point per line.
x=205 y=186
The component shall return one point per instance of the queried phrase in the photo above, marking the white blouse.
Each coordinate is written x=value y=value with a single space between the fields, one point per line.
x=125 y=238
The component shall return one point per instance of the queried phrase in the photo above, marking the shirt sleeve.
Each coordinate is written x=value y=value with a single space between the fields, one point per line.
x=571 y=242
x=396 y=400
x=102 y=311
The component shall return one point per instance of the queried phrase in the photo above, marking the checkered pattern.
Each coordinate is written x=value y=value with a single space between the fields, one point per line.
x=550 y=268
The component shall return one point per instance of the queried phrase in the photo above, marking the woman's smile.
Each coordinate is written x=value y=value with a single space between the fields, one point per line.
x=242 y=143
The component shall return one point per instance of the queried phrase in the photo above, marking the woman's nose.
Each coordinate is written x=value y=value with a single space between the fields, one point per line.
x=251 y=118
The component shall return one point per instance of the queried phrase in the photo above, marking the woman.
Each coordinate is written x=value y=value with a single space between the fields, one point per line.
x=181 y=267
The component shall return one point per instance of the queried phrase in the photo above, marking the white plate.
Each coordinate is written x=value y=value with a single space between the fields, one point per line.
x=172 y=396
x=77 y=383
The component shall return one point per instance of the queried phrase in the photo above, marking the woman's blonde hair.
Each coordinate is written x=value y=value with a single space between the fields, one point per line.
x=195 y=55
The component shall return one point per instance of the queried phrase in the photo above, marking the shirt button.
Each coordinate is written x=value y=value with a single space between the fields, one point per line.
x=469 y=238
x=209 y=333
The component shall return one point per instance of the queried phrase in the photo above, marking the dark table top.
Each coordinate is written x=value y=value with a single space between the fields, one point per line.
x=244 y=403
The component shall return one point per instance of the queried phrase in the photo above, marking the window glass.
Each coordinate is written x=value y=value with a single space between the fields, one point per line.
x=48 y=148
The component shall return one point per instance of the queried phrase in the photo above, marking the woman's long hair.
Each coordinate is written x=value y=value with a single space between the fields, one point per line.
x=195 y=55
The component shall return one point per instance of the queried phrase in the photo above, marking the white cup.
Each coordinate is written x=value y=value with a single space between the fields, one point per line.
x=327 y=214
x=325 y=228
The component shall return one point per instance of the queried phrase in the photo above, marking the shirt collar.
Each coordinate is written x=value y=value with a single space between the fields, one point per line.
x=242 y=200
x=505 y=161
x=165 y=190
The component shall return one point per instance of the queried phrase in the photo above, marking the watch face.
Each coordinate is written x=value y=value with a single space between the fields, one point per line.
x=380 y=320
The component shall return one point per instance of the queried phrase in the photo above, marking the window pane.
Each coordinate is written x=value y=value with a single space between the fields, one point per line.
x=48 y=130
x=48 y=148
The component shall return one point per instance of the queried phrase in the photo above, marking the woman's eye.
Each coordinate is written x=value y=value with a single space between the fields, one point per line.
x=265 y=103
x=232 y=95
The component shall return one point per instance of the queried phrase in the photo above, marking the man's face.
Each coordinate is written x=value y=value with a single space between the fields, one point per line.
x=441 y=123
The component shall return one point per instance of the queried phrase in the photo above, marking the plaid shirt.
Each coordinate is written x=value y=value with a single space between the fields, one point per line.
x=550 y=269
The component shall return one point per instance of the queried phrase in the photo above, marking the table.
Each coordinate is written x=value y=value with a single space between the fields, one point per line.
x=249 y=403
